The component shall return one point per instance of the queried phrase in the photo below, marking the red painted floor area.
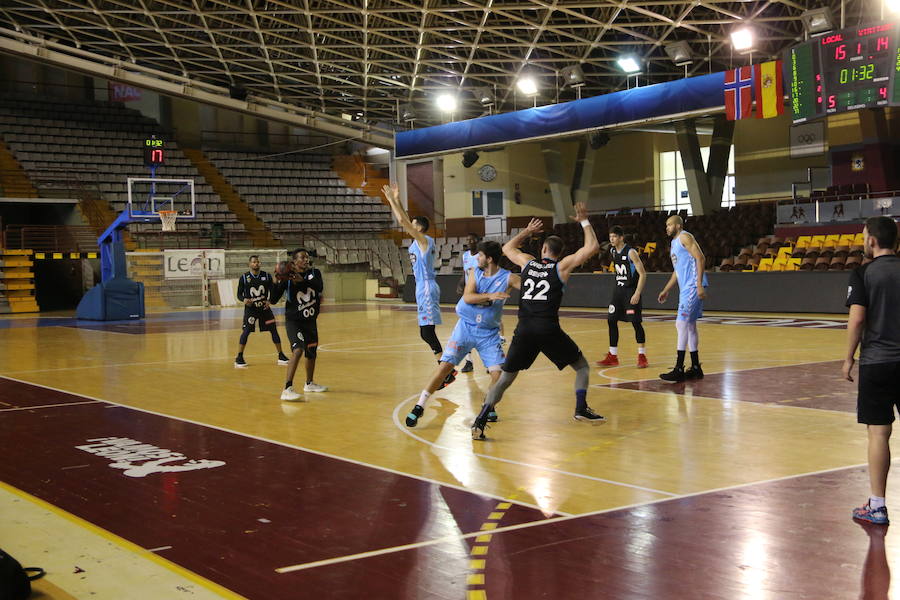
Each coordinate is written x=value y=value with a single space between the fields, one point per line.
x=817 y=385
x=266 y=507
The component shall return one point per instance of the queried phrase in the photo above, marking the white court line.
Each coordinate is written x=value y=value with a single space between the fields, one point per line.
x=510 y=461
x=284 y=444
x=49 y=405
x=541 y=523
x=159 y=549
x=618 y=381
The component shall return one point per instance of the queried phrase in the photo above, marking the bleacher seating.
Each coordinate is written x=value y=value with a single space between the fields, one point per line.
x=299 y=191
x=102 y=141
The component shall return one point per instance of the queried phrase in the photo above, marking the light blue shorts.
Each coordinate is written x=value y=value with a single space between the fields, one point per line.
x=690 y=306
x=428 y=297
x=467 y=336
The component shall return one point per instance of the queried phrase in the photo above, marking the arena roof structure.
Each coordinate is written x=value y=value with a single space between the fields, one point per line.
x=383 y=62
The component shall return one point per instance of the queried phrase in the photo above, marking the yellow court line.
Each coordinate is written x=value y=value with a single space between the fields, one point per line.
x=122 y=542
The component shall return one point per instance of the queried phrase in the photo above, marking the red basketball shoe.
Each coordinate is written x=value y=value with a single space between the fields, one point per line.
x=611 y=360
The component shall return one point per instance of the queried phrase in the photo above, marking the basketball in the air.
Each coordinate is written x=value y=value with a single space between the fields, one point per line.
x=283 y=270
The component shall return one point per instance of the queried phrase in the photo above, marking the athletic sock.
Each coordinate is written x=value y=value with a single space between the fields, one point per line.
x=240 y=355
x=679 y=362
x=580 y=399
x=423 y=398
x=641 y=350
x=695 y=358
x=614 y=350
x=876 y=502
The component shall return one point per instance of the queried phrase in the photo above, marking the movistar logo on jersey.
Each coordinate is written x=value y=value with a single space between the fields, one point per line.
x=621 y=269
x=257 y=291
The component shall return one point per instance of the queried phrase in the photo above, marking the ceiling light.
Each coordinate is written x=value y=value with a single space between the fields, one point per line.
x=446 y=103
x=818 y=20
x=484 y=95
x=629 y=64
x=679 y=52
x=742 y=39
x=572 y=75
x=892 y=5
x=527 y=85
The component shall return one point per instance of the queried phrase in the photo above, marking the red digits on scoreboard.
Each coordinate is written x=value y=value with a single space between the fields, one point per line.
x=840 y=52
x=882 y=91
x=832 y=102
x=156 y=156
x=882 y=44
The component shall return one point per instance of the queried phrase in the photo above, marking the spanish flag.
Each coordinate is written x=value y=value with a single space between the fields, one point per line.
x=769 y=85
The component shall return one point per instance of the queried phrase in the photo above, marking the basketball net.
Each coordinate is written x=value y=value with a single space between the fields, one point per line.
x=167 y=218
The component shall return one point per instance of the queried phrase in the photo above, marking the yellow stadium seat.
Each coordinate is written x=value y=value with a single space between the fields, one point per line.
x=847 y=239
x=858 y=239
x=765 y=264
x=803 y=241
x=793 y=264
x=831 y=241
x=650 y=247
x=784 y=253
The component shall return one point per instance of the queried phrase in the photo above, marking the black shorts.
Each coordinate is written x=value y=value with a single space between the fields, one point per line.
x=528 y=342
x=265 y=318
x=303 y=335
x=879 y=393
x=621 y=308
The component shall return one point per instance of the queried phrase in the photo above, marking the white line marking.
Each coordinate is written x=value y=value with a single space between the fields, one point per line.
x=159 y=549
x=550 y=521
x=407 y=431
x=50 y=405
x=74 y=467
x=620 y=381
x=284 y=444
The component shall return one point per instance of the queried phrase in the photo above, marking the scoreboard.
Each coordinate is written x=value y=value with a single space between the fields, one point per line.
x=844 y=70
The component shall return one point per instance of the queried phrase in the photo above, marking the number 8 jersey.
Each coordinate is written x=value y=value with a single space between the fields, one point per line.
x=541 y=292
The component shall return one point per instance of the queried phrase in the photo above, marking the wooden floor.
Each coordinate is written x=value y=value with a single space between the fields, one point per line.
x=747 y=476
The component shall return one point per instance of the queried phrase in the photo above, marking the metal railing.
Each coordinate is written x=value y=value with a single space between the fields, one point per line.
x=50 y=238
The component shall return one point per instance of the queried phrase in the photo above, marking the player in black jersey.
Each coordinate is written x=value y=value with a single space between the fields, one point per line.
x=303 y=293
x=542 y=283
x=254 y=289
x=626 y=299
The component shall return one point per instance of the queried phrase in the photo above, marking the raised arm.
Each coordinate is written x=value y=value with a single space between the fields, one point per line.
x=590 y=247
x=392 y=193
x=511 y=248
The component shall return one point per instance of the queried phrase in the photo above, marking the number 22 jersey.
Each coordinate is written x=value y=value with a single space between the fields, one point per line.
x=541 y=293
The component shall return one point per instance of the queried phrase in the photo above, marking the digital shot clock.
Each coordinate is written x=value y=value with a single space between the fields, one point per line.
x=844 y=70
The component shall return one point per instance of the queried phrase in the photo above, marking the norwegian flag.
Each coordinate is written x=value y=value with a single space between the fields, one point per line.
x=738 y=93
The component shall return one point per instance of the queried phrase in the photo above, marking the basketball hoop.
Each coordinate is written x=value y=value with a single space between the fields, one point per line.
x=167 y=218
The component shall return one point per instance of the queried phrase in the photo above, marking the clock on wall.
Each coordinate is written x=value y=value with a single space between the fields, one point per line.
x=487 y=173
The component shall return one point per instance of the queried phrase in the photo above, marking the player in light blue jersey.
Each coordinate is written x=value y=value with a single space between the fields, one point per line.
x=480 y=313
x=690 y=275
x=469 y=262
x=421 y=255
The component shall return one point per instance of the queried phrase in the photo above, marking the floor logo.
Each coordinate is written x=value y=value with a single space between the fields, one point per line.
x=139 y=460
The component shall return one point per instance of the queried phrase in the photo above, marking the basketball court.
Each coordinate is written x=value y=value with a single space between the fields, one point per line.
x=138 y=458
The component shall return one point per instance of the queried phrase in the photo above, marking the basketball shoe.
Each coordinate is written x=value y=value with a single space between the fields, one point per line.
x=282 y=359
x=492 y=417
x=587 y=414
x=314 y=387
x=450 y=378
x=642 y=361
x=611 y=360
x=695 y=372
x=676 y=375
x=239 y=362
x=879 y=516
x=479 y=427
x=289 y=395
x=468 y=367
x=412 y=419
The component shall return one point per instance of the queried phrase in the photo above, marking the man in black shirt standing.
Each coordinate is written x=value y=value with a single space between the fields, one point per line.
x=303 y=292
x=874 y=300
x=254 y=288
x=538 y=331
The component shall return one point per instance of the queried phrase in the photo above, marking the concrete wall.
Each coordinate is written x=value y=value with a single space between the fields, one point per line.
x=816 y=292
